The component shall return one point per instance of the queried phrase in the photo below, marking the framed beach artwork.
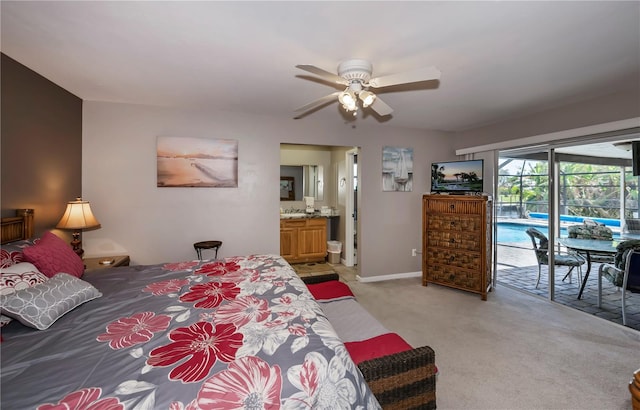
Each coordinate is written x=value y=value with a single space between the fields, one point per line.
x=397 y=169
x=197 y=162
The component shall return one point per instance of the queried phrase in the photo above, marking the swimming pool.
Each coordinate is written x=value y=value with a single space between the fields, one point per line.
x=576 y=219
x=513 y=232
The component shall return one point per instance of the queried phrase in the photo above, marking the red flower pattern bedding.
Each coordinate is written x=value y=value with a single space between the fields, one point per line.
x=239 y=333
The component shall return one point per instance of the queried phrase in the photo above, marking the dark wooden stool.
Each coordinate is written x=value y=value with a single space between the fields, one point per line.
x=199 y=246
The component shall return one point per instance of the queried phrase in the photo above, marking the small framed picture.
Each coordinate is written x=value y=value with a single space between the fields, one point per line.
x=287 y=189
x=397 y=169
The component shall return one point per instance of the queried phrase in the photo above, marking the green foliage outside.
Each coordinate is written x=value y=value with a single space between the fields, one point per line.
x=585 y=190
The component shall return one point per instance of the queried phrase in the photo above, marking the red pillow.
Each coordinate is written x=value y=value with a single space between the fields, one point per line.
x=52 y=255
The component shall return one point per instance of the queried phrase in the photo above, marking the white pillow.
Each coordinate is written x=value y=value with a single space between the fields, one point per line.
x=20 y=276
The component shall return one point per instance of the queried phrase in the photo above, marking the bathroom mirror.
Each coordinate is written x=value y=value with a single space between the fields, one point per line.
x=308 y=180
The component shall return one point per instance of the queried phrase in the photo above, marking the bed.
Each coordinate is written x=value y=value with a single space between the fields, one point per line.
x=241 y=332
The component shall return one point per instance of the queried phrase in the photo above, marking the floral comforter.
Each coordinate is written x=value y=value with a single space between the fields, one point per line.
x=242 y=332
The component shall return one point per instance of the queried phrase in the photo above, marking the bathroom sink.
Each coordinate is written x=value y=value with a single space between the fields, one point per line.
x=294 y=215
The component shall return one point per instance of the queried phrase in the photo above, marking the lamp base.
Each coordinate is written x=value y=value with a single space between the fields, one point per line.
x=75 y=244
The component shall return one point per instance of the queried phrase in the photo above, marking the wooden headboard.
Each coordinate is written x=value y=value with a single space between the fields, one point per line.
x=18 y=227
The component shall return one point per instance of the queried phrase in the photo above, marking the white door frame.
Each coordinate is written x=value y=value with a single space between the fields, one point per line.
x=349 y=259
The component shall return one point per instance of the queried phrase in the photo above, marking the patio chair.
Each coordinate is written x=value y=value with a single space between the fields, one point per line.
x=624 y=273
x=633 y=225
x=541 y=249
x=593 y=230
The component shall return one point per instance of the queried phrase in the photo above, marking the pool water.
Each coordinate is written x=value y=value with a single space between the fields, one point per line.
x=515 y=233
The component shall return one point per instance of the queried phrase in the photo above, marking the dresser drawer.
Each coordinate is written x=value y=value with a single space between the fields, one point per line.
x=456 y=277
x=454 y=222
x=465 y=260
x=455 y=206
x=462 y=240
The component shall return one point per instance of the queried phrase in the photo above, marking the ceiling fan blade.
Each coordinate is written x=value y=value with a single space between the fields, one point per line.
x=320 y=101
x=381 y=107
x=423 y=74
x=323 y=73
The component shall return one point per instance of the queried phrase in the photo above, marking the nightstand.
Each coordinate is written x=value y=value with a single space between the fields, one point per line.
x=94 y=263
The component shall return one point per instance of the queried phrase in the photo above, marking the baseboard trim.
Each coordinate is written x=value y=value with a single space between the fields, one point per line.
x=393 y=276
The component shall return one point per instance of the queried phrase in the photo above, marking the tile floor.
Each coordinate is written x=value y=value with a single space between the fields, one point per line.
x=518 y=268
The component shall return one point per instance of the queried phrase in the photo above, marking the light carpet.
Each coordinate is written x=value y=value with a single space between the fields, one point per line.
x=513 y=351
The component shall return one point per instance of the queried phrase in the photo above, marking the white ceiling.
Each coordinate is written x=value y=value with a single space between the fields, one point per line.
x=498 y=59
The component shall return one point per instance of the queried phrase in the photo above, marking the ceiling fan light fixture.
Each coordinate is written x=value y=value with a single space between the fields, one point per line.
x=349 y=108
x=367 y=98
x=356 y=75
x=348 y=100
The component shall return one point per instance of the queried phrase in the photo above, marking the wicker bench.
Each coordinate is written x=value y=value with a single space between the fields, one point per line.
x=400 y=376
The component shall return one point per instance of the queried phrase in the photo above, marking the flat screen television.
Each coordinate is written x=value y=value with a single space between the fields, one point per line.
x=457 y=176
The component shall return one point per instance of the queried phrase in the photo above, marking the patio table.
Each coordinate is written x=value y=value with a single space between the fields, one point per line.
x=589 y=246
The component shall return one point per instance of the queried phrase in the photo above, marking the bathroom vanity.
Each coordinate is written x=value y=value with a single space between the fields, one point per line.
x=303 y=238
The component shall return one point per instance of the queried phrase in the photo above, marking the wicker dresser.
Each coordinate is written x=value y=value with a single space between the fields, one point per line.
x=456 y=242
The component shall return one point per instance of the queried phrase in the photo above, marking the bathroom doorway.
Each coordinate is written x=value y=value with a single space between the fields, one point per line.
x=336 y=165
x=351 y=208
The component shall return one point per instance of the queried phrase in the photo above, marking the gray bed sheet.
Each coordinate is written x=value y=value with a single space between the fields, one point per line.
x=243 y=332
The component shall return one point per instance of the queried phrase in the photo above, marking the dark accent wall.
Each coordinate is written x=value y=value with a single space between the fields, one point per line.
x=41 y=145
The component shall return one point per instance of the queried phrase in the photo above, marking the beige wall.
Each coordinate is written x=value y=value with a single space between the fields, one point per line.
x=609 y=108
x=160 y=224
x=41 y=146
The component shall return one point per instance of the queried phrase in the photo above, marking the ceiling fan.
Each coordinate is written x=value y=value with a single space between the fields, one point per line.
x=355 y=74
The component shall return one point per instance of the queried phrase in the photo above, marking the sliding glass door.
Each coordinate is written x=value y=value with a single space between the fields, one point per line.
x=547 y=194
x=523 y=215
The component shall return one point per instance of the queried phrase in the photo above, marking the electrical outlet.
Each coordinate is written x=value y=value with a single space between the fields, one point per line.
x=414 y=252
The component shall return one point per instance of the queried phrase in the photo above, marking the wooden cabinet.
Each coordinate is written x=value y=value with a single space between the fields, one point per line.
x=456 y=242
x=288 y=240
x=303 y=240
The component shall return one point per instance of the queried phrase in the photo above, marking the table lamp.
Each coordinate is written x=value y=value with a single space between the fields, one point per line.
x=77 y=217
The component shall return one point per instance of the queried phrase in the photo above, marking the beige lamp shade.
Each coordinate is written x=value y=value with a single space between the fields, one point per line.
x=78 y=216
